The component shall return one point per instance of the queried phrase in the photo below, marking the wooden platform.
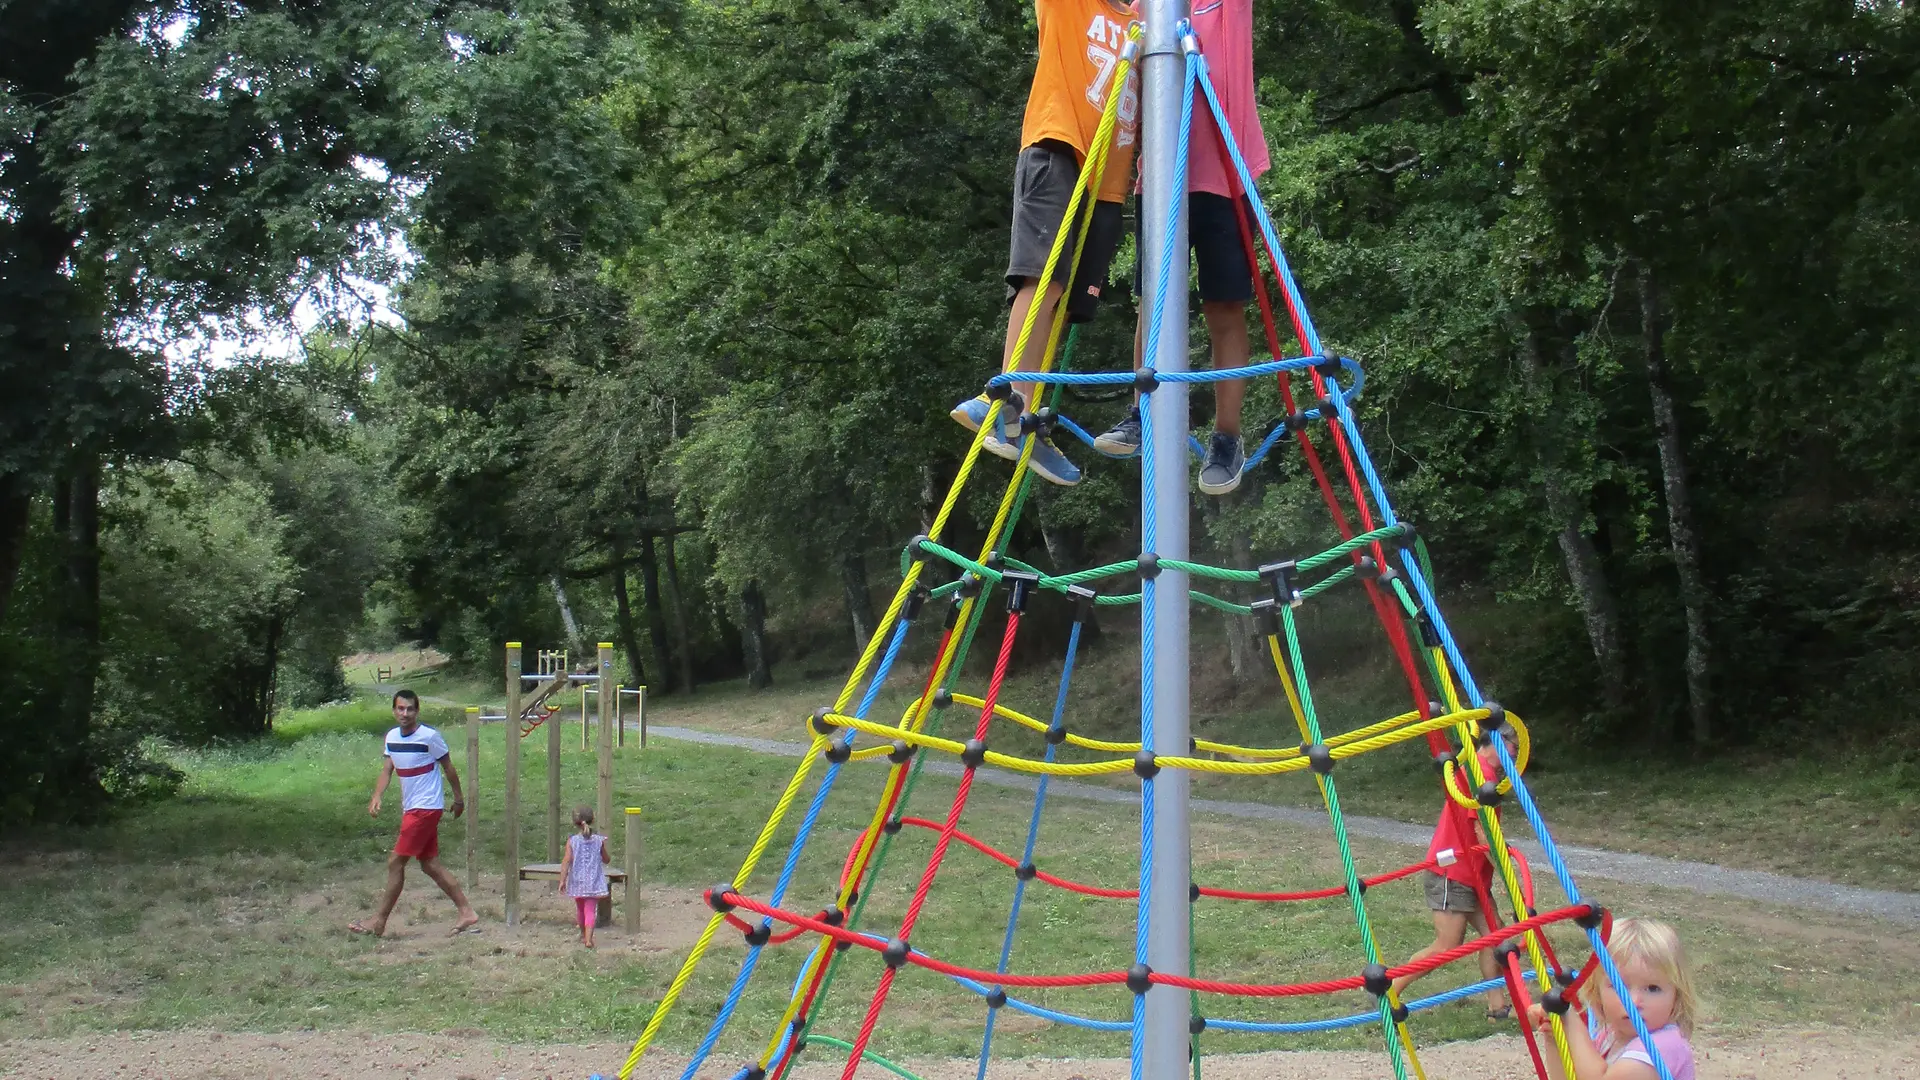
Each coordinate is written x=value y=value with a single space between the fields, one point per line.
x=545 y=870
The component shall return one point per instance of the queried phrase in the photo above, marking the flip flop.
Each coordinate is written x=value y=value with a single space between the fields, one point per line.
x=1495 y=1016
x=472 y=929
x=355 y=927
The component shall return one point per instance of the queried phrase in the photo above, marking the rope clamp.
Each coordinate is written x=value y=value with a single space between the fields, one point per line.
x=1283 y=576
x=1263 y=610
x=1020 y=585
x=1082 y=602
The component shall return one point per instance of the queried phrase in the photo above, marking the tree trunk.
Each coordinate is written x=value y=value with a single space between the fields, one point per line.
x=753 y=636
x=574 y=640
x=1591 y=592
x=683 y=636
x=853 y=586
x=1241 y=657
x=623 y=614
x=1682 y=536
x=16 y=507
x=77 y=522
x=656 y=612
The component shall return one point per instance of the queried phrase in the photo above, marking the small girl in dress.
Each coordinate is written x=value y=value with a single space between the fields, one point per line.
x=1657 y=975
x=583 y=872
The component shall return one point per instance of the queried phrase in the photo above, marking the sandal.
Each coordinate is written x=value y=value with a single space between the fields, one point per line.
x=1499 y=1015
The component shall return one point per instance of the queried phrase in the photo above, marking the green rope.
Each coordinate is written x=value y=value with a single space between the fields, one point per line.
x=865 y=1055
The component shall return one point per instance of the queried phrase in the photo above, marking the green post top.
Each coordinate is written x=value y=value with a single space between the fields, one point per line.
x=633 y=810
x=606 y=644
x=513 y=644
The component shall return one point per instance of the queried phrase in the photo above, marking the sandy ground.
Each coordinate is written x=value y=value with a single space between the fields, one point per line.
x=1778 y=1055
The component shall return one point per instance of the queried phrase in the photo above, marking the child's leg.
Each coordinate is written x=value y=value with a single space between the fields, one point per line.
x=1227 y=331
x=1029 y=358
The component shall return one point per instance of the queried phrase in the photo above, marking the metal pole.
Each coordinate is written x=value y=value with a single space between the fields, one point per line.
x=632 y=896
x=512 y=770
x=603 y=804
x=555 y=840
x=1163 y=71
x=473 y=792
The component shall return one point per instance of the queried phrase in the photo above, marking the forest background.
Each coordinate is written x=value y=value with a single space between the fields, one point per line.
x=680 y=292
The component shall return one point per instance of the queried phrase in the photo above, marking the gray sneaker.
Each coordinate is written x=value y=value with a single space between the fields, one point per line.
x=1123 y=439
x=1226 y=460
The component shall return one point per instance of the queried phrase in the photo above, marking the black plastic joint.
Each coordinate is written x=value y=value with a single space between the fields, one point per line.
x=853 y=896
x=999 y=391
x=1489 y=794
x=1283 y=577
x=1267 y=616
x=797 y=1025
x=1505 y=950
x=1146 y=380
x=1496 y=715
x=838 y=751
x=1327 y=410
x=833 y=916
x=842 y=946
x=1443 y=759
x=1400 y=1014
x=1319 y=758
x=996 y=998
x=716 y=897
x=892 y=826
x=1083 y=598
x=1388 y=575
x=973 y=753
x=1361 y=885
x=969 y=586
x=1297 y=420
x=913 y=545
x=1592 y=919
x=758 y=935
x=1193 y=891
x=1026 y=870
x=952 y=618
x=1040 y=420
x=1020 y=586
x=994 y=561
x=1057 y=734
x=1367 y=568
x=901 y=753
x=1407 y=532
x=943 y=698
x=1563 y=977
x=1196 y=1025
x=895 y=953
x=1139 y=977
x=1429 y=633
x=1434 y=708
x=916 y=601
x=1149 y=565
x=1328 y=366
x=755 y=1072
x=820 y=724
x=1374 y=978
x=1144 y=765
x=1555 y=1002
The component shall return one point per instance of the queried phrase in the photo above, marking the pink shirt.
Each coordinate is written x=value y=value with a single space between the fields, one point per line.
x=1675 y=1052
x=1225 y=30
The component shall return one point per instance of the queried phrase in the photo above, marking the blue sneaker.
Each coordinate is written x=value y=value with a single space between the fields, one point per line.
x=1123 y=439
x=1226 y=463
x=1048 y=462
x=971 y=413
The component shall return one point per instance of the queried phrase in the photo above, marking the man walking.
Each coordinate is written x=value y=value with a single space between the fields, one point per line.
x=415 y=751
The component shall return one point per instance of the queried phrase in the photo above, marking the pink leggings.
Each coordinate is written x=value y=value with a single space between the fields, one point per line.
x=589 y=910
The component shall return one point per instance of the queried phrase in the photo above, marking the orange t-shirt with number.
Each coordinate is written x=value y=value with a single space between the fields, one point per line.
x=1080 y=43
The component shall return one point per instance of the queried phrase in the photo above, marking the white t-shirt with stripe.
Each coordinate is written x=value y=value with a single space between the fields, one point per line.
x=416 y=758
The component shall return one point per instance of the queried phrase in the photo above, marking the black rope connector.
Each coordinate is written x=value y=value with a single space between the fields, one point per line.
x=1083 y=598
x=1443 y=759
x=1040 y=420
x=797 y=1025
x=820 y=724
x=994 y=561
x=999 y=391
x=833 y=916
x=842 y=946
x=1434 y=709
x=913 y=545
x=1360 y=884
x=1505 y=950
x=902 y=752
x=1561 y=976
x=1496 y=715
x=1196 y=1025
x=1328 y=366
x=1327 y=410
x=1026 y=870
x=1146 y=380
x=1319 y=758
x=952 y=618
x=1020 y=586
x=1592 y=919
x=1555 y=1001
x=1489 y=795
x=895 y=953
x=1400 y=1013
x=853 y=896
x=996 y=998
x=916 y=600
x=838 y=751
x=1144 y=765
x=1193 y=891
x=1149 y=565
x=758 y=935
x=1374 y=978
x=1056 y=733
x=1282 y=578
x=1297 y=420
x=716 y=897
x=1407 y=532
x=1367 y=568
x=892 y=826
x=969 y=586
x=1388 y=575
x=943 y=698
x=1429 y=633
x=1139 y=977
x=755 y=1072
x=973 y=753
x=1265 y=614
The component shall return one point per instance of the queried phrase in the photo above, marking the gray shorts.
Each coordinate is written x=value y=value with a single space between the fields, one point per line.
x=1445 y=894
x=1043 y=183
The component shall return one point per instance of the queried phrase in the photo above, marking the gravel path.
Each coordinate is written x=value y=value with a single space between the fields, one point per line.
x=1584 y=861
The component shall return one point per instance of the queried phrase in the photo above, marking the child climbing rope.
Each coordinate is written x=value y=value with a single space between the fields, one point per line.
x=1080 y=46
x=1454 y=887
x=583 y=872
x=1660 y=982
x=1225 y=30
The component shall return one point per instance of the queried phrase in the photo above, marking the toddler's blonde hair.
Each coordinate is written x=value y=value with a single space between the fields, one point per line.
x=1657 y=945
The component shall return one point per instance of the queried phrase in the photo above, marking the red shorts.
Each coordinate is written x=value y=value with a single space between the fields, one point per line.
x=419 y=834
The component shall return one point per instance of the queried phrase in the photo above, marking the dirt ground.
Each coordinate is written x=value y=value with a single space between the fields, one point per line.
x=1779 y=1055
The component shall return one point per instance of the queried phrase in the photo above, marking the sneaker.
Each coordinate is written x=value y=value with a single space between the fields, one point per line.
x=1123 y=439
x=1048 y=462
x=1226 y=460
x=971 y=413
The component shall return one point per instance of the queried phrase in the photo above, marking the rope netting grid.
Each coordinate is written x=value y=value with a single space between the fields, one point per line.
x=1474 y=721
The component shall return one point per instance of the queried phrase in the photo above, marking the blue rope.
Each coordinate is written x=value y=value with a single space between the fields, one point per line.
x=1359 y=1019
x=1033 y=835
x=1203 y=375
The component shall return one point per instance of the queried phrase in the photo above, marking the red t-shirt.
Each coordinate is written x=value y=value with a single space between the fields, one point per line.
x=1467 y=867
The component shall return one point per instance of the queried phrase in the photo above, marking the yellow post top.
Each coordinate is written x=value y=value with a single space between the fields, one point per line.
x=606 y=644
x=473 y=708
x=513 y=644
x=633 y=810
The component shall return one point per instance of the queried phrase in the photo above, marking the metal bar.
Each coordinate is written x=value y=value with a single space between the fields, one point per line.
x=603 y=803
x=556 y=838
x=1163 y=75
x=512 y=820
x=473 y=792
x=632 y=894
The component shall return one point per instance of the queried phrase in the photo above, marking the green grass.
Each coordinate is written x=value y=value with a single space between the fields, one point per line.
x=225 y=909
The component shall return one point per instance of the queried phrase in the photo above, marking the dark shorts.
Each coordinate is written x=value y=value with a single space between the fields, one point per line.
x=1446 y=894
x=1213 y=233
x=419 y=834
x=1043 y=183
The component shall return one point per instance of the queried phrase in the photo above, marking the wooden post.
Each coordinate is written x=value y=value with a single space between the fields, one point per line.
x=603 y=804
x=512 y=820
x=556 y=838
x=473 y=794
x=633 y=869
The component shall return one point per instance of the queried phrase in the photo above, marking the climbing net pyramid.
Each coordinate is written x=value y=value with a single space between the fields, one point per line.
x=1379 y=553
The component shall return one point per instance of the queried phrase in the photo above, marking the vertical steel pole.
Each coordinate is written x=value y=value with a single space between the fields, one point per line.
x=473 y=795
x=1163 y=71
x=603 y=803
x=511 y=822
